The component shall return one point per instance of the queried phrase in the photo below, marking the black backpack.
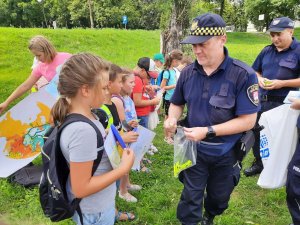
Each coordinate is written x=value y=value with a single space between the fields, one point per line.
x=52 y=189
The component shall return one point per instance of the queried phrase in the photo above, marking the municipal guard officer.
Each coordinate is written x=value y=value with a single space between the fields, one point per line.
x=277 y=68
x=293 y=177
x=221 y=94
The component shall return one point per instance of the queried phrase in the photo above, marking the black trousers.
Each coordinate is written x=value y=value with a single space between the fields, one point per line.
x=293 y=186
x=218 y=176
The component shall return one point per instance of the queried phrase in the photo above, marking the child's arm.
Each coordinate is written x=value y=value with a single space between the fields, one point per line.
x=84 y=184
x=120 y=107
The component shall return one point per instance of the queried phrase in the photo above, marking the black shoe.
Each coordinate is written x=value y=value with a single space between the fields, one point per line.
x=207 y=219
x=256 y=168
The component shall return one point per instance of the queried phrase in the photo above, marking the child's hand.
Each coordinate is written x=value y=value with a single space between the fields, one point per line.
x=130 y=136
x=127 y=159
x=156 y=100
x=133 y=123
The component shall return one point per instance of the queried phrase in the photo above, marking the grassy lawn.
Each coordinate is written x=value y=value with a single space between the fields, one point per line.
x=158 y=200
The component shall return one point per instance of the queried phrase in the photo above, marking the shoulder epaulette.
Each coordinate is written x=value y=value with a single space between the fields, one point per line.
x=244 y=66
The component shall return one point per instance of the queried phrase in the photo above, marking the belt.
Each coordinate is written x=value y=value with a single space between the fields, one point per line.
x=270 y=98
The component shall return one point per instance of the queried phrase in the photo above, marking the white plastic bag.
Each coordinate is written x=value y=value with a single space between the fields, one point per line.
x=277 y=145
x=185 y=152
x=153 y=120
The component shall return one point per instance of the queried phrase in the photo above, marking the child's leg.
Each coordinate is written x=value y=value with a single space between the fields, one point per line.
x=124 y=182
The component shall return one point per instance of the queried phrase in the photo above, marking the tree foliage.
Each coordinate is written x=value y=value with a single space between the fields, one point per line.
x=271 y=9
x=142 y=14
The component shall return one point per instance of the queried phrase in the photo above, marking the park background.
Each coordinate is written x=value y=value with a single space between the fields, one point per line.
x=98 y=26
x=158 y=200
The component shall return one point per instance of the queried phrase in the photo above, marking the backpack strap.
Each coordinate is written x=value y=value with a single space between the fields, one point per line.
x=108 y=114
x=119 y=97
x=74 y=117
x=162 y=76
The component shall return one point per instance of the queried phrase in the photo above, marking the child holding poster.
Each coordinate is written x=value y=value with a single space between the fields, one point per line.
x=49 y=60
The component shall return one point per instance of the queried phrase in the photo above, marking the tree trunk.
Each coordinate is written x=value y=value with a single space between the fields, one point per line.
x=178 y=22
x=91 y=13
x=222 y=7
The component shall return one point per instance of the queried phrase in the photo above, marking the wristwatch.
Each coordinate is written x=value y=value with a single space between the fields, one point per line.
x=210 y=133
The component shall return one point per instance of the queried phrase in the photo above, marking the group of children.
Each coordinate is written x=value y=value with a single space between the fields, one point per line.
x=106 y=94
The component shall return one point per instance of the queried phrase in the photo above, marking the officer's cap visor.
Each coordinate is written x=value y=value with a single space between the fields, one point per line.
x=276 y=29
x=193 y=39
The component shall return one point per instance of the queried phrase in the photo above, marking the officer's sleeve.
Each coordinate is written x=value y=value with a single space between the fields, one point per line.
x=257 y=65
x=247 y=101
x=178 y=95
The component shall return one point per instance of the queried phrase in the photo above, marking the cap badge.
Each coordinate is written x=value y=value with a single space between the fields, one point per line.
x=291 y=24
x=275 y=22
x=194 y=25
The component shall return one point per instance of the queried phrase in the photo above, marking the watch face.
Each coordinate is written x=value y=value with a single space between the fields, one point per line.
x=210 y=133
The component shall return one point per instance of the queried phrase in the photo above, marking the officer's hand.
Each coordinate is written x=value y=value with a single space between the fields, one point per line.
x=274 y=84
x=261 y=82
x=295 y=103
x=170 y=125
x=195 y=133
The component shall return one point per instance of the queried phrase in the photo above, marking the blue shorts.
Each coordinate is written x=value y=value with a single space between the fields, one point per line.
x=102 y=218
x=143 y=121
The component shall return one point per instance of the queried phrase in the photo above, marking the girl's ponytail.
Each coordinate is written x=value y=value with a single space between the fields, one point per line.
x=60 y=110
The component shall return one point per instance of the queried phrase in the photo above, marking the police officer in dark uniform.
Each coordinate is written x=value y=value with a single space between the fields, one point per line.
x=293 y=177
x=278 y=69
x=221 y=94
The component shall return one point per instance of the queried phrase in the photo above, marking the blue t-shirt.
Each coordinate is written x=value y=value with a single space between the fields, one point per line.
x=170 y=76
x=129 y=107
x=283 y=65
x=232 y=90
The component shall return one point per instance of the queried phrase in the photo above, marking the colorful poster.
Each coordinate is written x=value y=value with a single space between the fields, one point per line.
x=22 y=129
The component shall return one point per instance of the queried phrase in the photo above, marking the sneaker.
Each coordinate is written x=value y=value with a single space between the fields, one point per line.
x=127 y=197
x=153 y=148
x=150 y=152
x=134 y=187
x=256 y=168
x=207 y=219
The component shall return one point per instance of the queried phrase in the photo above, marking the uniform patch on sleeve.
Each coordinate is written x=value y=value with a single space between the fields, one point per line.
x=252 y=93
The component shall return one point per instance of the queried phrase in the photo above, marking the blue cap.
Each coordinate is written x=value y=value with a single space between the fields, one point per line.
x=279 y=24
x=205 y=27
x=159 y=57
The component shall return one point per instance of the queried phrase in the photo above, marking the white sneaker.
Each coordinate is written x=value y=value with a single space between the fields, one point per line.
x=128 y=197
x=134 y=187
x=150 y=152
x=153 y=148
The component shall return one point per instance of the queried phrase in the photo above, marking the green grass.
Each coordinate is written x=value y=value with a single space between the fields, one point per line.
x=158 y=200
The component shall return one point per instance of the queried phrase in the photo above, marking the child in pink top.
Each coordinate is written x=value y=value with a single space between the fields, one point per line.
x=49 y=61
x=48 y=70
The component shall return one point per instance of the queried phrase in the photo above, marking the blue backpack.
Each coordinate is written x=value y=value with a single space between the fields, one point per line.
x=52 y=189
x=160 y=77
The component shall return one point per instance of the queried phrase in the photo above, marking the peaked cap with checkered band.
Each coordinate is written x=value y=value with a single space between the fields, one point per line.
x=205 y=27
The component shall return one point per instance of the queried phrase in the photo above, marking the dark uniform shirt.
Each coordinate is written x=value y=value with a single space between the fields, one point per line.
x=283 y=65
x=230 y=91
